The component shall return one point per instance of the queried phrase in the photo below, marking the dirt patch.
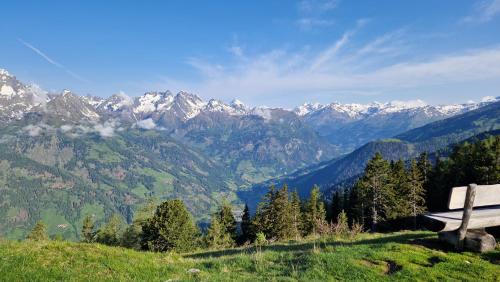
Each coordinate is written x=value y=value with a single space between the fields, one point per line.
x=369 y=263
x=389 y=267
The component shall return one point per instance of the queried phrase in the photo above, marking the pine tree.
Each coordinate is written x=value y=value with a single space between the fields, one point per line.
x=416 y=192
x=111 y=233
x=171 y=228
x=247 y=233
x=263 y=222
x=295 y=209
x=424 y=166
x=38 y=233
x=375 y=189
x=283 y=219
x=227 y=220
x=336 y=206
x=400 y=207
x=88 y=232
x=273 y=216
x=438 y=186
x=217 y=235
x=342 y=225
x=314 y=212
x=485 y=157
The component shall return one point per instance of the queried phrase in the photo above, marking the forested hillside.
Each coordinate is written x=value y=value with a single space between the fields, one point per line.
x=61 y=179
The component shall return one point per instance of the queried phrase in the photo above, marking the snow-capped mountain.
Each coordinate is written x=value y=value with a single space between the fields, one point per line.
x=69 y=107
x=346 y=126
x=351 y=125
x=16 y=99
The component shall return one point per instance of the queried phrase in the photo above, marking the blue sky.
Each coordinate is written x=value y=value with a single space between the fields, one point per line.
x=275 y=53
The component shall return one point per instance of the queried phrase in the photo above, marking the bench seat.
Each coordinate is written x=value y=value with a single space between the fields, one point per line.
x=450 y=221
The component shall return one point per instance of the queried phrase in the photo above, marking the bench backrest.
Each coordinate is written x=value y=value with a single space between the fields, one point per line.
x=486 y=195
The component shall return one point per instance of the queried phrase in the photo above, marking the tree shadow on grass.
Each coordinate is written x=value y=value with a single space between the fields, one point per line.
x=309 y=246
x=493 y=257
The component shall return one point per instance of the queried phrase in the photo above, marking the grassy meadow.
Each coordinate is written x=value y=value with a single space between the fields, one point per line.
x=404 y=256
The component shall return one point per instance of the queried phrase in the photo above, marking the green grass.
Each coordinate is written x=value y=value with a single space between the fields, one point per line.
x=407 y=256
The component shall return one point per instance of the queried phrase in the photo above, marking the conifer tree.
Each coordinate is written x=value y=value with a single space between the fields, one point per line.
x=375 y=189
x=110 y=234
x=227 y=220
x=217 y=235
x=424 y=166
x=273 y=216
x=438 y=186
x=171 y=228
x=314 y=212
x=263 y=221
x=88 y=232
x=247 y=233
x=38 y=233
x=295 y=209
x=283 y=218
x=485 y=157
x=416 y=192
x=336 y=206
x=400 y=205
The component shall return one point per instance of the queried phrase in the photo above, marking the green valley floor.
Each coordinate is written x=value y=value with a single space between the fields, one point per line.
x=404 y=256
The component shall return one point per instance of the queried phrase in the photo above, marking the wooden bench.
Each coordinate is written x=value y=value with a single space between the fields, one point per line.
x=464 y=226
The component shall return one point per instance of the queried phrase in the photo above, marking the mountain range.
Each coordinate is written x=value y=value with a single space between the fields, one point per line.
x=64 y=156
x=431 y=138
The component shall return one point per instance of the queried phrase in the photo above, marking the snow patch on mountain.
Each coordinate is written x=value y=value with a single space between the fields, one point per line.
x=7 y=90
x=153 y=101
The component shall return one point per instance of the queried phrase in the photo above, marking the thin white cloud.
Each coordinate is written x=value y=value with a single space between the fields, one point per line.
x=283 y=75
x=146 y=124
x=313 y=14
x=126 y=100
x=485 y=11
x=311 y=23
x=329 y=54
x=51 y=61
x=317 y=6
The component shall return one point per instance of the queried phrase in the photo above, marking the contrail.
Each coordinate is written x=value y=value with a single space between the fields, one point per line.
x=51 y=61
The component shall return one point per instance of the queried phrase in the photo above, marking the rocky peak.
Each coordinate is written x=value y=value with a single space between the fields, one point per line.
x=153 y=102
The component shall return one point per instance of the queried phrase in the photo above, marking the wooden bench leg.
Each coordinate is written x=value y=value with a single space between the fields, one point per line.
x=475 y=240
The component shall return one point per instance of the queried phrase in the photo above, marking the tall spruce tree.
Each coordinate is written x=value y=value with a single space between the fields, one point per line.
x=416 y=193
x=485 y=157
x=88 y=232
x=283 y=219
x=263 y=221
x=295 y=209
x=375 y=189
x=424 y=166
x=227 y=220
x=247 y=233
x=314 y=212
x=217 y=235
x=400 y=207
x=171 y=228
x=336 y=205
x=273 y=216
